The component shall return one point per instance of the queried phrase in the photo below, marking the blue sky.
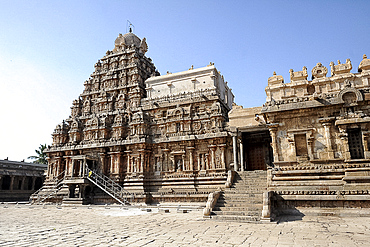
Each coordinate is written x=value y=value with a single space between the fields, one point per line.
x=48 y=49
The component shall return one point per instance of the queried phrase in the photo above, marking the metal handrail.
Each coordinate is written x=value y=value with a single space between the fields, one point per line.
x=55 y=189
x=108 y=185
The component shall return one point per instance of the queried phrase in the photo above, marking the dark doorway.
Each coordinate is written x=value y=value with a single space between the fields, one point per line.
x=29 y=183
x=6 y=182
x=355 y=144
x=257 y=150
x=38 y=183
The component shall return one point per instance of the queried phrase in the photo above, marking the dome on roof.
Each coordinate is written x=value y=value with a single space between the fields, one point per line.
x=128 y=39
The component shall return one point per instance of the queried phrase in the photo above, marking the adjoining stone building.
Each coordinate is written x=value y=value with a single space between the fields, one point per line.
x=180 y=138
x=18 y=180
x=319 y=133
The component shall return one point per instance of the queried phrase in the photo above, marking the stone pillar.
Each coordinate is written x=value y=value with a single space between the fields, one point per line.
x=102 y=161
x=118 y=163
x=33 y=183
x=73 y=168
x=198 y=160
x=1 y=182
x=191 y=161
x=235 y=152
x=141 y=162
x=80 y=173
x=328 y=140
x=68 y=160
x=23 y=187
x=274 y=142
x=11 y=183
x=58 y=165
x=310 y=142
x=365 y=137
x=344 y=137
x=84 y=167
x=129 y=163
x=223 y=163
x=241 y=154
x=213 y=165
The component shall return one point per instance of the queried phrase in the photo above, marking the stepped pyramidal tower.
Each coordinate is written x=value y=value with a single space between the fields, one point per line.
x=161 y=138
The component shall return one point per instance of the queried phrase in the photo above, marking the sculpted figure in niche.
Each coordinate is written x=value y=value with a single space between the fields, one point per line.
x=349 y=98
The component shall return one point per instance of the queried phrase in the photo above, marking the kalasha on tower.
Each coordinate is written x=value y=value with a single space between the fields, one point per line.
x=134 y=134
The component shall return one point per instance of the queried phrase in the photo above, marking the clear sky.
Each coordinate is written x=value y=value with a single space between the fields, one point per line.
x=49 y=48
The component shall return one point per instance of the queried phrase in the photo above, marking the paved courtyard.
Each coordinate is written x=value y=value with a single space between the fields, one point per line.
x=24 y=225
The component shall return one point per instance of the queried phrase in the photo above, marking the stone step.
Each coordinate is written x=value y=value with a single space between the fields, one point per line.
x=245 y=190
x=239 y=204
x=254 y=210
x=236 y=218
x=236 y=213
x=239 y=201
x=240 y=194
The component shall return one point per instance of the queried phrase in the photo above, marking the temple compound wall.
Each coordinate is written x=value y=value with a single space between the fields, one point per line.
x=18 y=180
x=319 y=136
x=160 y=137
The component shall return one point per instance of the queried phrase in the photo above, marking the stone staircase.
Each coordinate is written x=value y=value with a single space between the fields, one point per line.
x=51 y=191
x=243 y=201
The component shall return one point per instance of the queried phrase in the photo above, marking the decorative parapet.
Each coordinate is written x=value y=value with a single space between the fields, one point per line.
x=211 y=202
x=275 y=80
x=364 y=65
x=299 y=75
x=321 y=91
x=341 y=68
x=319 y=71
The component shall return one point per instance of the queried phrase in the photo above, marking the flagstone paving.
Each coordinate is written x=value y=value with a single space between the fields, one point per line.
x=24 y=225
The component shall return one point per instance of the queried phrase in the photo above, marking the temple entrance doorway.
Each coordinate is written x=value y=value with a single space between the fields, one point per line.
x=257 y=150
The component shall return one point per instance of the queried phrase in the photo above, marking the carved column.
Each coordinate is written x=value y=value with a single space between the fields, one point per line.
x=213 y=165
x=344 y=137
x=199 y=159
x=23 y=186
x=191 y=159
x=102 y=161
x=274 y=142
x=112 y=160
x=241 y=154
x=67 y=159
x=33 y=183
x=118 y=163
x=58 y=165
x=141 y=162
x=183 y=162
x=166 y=167
x=73 y=167
x=83 y=167
x=11 y=183
x=129 y=167
x=235 y=152
x=310 y=142
x=365 y=137
x=223 y=162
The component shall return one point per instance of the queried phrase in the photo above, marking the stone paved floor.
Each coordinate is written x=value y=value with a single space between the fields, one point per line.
x=98 y=226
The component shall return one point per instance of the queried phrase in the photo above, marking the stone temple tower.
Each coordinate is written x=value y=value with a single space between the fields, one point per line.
x=151 y=135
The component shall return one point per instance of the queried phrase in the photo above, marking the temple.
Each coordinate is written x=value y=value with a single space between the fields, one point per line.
x=137 y=136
